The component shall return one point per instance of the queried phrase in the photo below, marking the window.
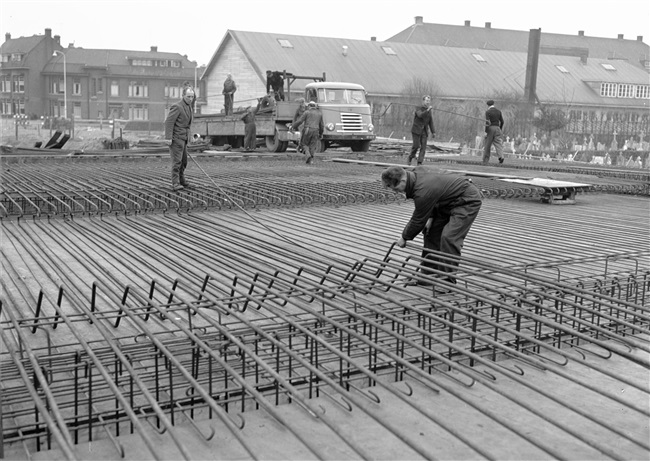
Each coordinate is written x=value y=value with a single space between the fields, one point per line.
x=56 y=85
x=608 y=66
x=142 y=62
x=173 y=90
x=115 y=88
x=608 y=90
x=76 y=110
x=16 y=57
x=562 y=69
x=5 y=84
x=625 y=91
x=285 y=43
x=100 y=85
x=642 y=92
x=478 y=57
x=389 y=51
x=138 y=112
x=175 y=64
x=6 y=57
x=5 y=107
x=138 y=89
x=76 y=86
x=19 y=83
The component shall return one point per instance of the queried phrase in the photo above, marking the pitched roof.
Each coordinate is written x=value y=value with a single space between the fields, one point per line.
x=634 y=51
x=79 y=59
x=455 y=72
x=20 y=44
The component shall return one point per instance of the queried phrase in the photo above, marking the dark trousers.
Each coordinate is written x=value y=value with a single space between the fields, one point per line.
x=178 y=152
x=279 y=93
x=495 y=138
x=310 y=140
x=227 y=102
x=419 y=142
x=250 y=133
x=448 y=231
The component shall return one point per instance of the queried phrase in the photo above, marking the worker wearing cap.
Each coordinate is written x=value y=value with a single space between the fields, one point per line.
x=493 y=127
x=312 y=131
x=445 y=208
x=229 y=88
x=177 y=135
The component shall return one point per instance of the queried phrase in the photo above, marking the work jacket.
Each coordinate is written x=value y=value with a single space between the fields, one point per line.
x=423 y=122
x=431 y=192
x=178 y=121
x=493 y=117
x=312 y=118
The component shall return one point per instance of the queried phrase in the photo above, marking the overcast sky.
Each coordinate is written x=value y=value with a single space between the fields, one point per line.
x=196 y=27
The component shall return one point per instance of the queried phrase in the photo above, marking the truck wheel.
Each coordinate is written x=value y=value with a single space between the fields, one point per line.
x=360 y=146
x=274 y=144
x=322 y=146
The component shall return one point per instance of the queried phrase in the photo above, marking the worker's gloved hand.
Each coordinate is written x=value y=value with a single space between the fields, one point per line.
x=401 y=242
x=427 y=226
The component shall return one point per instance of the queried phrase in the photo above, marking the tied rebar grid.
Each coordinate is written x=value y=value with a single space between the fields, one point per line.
x=79 y=187
x=113 y=351
x=246 y=343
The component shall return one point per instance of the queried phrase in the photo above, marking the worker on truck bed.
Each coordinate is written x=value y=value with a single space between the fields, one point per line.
x=312 y=131
x=229 y=88
x=275 y=81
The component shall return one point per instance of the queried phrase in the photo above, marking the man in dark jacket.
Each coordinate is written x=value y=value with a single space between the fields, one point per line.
x=312 y=131
x=275 y=81
x=177 y=135
x=229 y=88
x=493 y=127
x=445 y=208
x=250 y=130
x=422 y=125
x=302 y=107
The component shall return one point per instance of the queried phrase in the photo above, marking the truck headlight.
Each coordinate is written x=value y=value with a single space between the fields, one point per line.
x=370 y=127
x=330 y=127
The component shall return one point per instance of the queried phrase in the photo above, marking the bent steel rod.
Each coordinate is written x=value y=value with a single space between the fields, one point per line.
x=480 y=378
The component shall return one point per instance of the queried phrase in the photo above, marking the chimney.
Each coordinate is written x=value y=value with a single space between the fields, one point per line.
x=488 y=25
x=639 y=38
x=620 y=36
x=7 y=37
x=418 y=20
x=154 y=49
x=345 y=50
x=48 y=32
x=467 y=23
x=581 y=33
x=57 y=39
x=373 y=39
x=70 y=45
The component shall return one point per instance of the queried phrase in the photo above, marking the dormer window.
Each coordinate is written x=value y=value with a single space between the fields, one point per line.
x=284 y=43
x=478 y=57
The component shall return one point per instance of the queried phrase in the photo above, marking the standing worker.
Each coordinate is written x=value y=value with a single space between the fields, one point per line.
x=445 y=208
x=422 y=125
x=302 y=107
x=177 y=134
x=312 y=131
x=229 y=88
x=250 y=130
x=275 y=81
x=493 y=127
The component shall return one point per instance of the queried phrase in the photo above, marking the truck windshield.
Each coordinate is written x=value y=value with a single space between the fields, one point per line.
x=341 y=96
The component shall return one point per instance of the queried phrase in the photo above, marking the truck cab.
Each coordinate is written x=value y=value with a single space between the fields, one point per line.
x=346 y=114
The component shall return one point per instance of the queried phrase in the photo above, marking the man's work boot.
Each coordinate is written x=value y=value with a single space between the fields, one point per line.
x=501 y=160
x=176 y=187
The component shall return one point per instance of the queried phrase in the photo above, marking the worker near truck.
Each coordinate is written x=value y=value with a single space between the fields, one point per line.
x=229 y=88
x=250 y=130
x=275 y=81
x=422 y=126
x=446 y=206
x=267 y=103
x=493 y=136
x=312 y=132
x=177 y=135
x=302 y=107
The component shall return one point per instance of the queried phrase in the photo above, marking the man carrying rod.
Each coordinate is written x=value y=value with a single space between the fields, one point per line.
x=422 y=125
x=445 y=208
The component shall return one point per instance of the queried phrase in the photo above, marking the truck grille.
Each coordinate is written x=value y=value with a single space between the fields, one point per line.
x=350 y=122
